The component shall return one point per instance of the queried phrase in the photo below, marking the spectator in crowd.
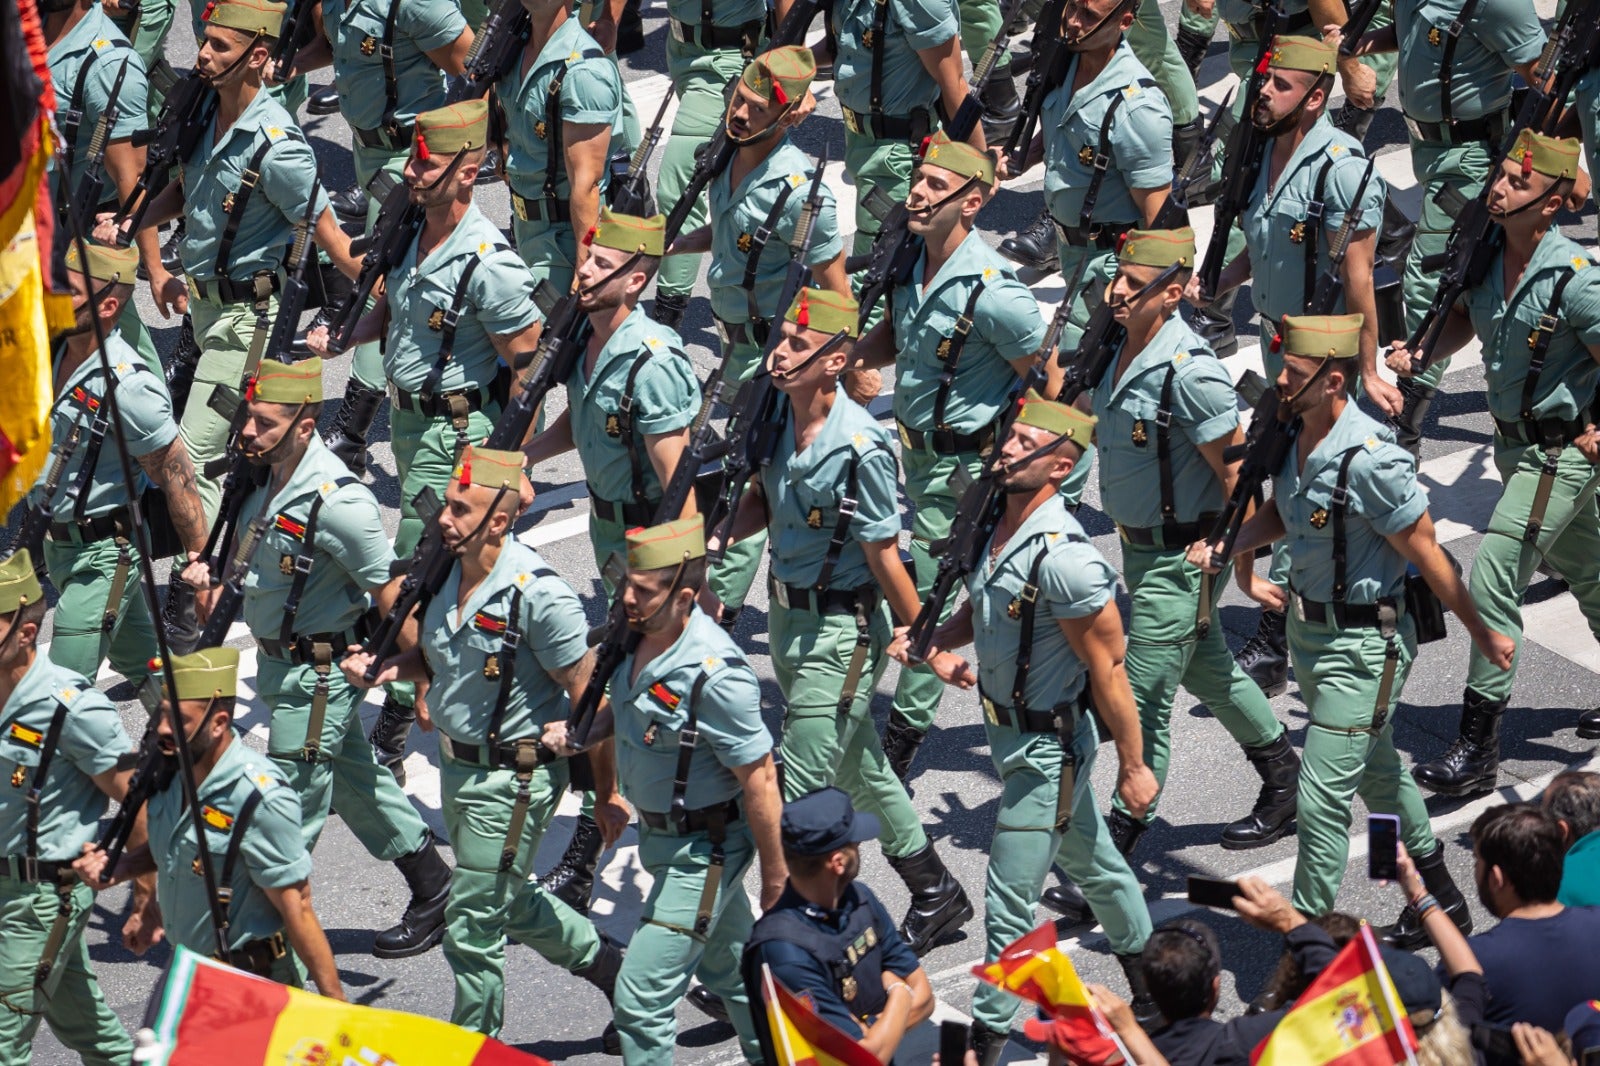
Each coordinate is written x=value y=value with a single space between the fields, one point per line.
x=1573 y=798
x=1290 y=979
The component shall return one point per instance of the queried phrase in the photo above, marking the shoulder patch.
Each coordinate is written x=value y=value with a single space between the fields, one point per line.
x=263 y=782
x=797 y=180
x=1181 y=356
x=100 y=42
x=1335 y=149
x=711 y=662
x=1371 y=444
x=989 y=273
x=574 y=57
x=483 y=247
x=68 y=695
x=1131 y=91
x=858 y=440
x=274 y=132
x=653 y=341
x=523 y=579
x=1579 y=262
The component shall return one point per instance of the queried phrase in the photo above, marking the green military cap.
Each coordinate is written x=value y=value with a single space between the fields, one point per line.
x=488 y=468
x=629 y=233
x=669 y=544
x=1555 y=157
x=1158 y=247
x=106 y=262
x=1062 y=419
x=1322 y=336
x=19 y=585
x=257 y=17
x=825 y=311
x=209 y=673
x=447 y=130
x=782 y=75
x=1304 y=53
x=277 y=382
x=959 y=157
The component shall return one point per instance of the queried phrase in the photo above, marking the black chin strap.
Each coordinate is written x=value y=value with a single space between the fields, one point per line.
x=1537 y=201
x=269 y=456
x=832 y=345
x=771 y=129
x=1156 y=282
x=627 y=265
x=1038 y=453
x=931 y=209
x=455 y=162
x=1288 y=404
x=1283 y=125
x=1076 y=44
x=498 y=496
x=672 y=590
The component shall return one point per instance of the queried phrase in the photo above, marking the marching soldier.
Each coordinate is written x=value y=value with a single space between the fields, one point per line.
x=321 y=551
x=1541 y=341
x=960 y=335
x=89 y=551
x=695 y=759
x=253 y=833
x=1348 y=504
x=831 y=503
x=1312 y=170
x=504 y=643
x=62 y=748
x=1033 y=679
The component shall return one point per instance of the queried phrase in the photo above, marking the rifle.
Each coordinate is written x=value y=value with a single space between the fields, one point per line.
x=184 y=119
x=1049 y=70
x=1265 y=448
x=632 y=194
x=151 y=774
x=494 y=50
x=292 y=299
x=1100 y=345
x=1246 y=151
x=298 y=29
x=215 y=634
x=1330 y=284
x=397 y=225
x=1175 y=212
x=91 y=187
x=36 y=519
x=1361 y=16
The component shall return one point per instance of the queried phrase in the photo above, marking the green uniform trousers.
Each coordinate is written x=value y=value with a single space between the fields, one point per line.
x=1163 y=650
x=821 y=746
x=1339 y=672
x=1153 y=46
x=425 y=451
x=346 y=775
x=550 y=249
x=70 y=999
x=1459 y=174
x=1504 y=564
x=82 y=574
x=1197 y=23
x=224 y=333
x=487 y=905
x=665 y=951
x=366 y=360
x=1026 y=843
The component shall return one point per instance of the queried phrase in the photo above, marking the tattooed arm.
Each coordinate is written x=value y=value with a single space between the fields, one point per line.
x=173 y=470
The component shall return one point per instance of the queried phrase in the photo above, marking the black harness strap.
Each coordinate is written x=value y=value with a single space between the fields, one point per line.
x=47 y=754
x=391 y=83
x=1101 y=159
x=57 y=937
x=1311 y=230
x=508 y=659
x=1388 y=612
x=70 y=117
x=949 y=355
x=460 y=407
x=1169 y=501
x=753 y=245
x=879 y=30
x=716 y=819
x=849 y=502
x=555 y=163
x=241 y=199
x=1539 y=345
x=635 y=447
x=230 y=857
x=1447 y=59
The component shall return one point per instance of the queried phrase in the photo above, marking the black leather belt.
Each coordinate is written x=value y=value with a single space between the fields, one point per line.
x=1489 y=129
x=912 y=127
x=697 y=820
x=1182 y=534
x=627 y=514
x=395 y=139
x=19 y=868
x=257 y=956
x=945 y=441
x=232 y=292
x=500 y=757
x=740 y=36
x=90 y=530
x=299 y=651
x=1028 y=721
x=437 y=405
x=1101 y=235
x=1543 y=431
x=539 y=208
x=825 y=601
x=1345 y=616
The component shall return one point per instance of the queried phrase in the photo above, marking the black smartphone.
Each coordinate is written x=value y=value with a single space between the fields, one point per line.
x=1590 y=1057
x=1383 y=847
x=1213 y=892
x=952 y=1042
x=1496 y=1044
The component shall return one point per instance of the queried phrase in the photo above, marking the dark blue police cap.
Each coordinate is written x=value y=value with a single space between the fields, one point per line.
x=824 y=821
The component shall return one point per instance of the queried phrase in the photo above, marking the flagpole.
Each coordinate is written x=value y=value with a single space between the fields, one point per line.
x=1386 y=986
x=769 y=995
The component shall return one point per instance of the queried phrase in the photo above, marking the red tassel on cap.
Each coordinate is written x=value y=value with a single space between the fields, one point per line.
x=205 y=16
x=466 y=473
x=588 y=238
x=802 y=317
x=250 y=388
x=1122 y=238
x=1527 y=163
x=422 y=148
x=778 y=94
x=922 y=149
x=1277 y=342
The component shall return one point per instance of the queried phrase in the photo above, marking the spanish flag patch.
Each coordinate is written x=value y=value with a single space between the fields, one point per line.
x=283 y=522
x=216 y=819
x=665 y=696
x=23 y=735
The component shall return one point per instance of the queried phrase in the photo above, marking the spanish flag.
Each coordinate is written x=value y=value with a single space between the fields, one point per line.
x=208 y=1013
x=1350 y=1016
x=1035 y=969
x=800 y=1038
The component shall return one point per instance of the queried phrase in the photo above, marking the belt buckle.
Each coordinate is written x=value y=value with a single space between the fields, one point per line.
x=1298 y=602
x=29 y=866
x=989 y=711
x=1122 y=531
x=780 y=593
x=519 y=206
x=722 y=333
x=276 y=945
x=905 y=435
x=676 y=28
x=851 y=122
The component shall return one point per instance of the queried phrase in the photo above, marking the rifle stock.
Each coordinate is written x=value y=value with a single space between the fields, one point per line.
x=183 y=120
x=1048 y=70
x=1266 y=447
x=226 y=609
x=494 y=50
x=397 y=225
x=91 y=187
x=294 y=294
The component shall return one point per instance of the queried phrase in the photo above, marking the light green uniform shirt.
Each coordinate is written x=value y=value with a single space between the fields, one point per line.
x=271 y=854
x=912 y=26
x=804 y=490
x=1074 y=581
x=652 y=708
x=1384 y=498
x=91 y=742
x=1277 y=214
x=459 y=644
x=1006 y=325
x=350 y=551
x=1139 y=138
x=214 y=174
x=147 y=423
x=723 y=12
x=355 y=30
x=1501 y=33
x=97 y=36
x=1202 y=409
x=666 y=397
x=498 y=301
x=738 y=213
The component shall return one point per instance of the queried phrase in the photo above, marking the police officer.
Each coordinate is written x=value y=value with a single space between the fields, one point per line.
x=1033 y=679
x=960 y=333
x=755 y=209
x=321 y=551
x=830 y=939
x=1347 y=502
x=1538 y=315
x=563 y=105
x=1312 y=170
x=831 y=505
x=695 y=759
x=504 y=643
x=89 y=551
x=61 y=746
x=389 y=65
x=252 y=820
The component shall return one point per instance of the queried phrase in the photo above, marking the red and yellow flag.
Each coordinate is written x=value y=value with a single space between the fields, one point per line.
x=1350 y=1016
x=800 y=1037
x=1035 y=969
x=210 y=1013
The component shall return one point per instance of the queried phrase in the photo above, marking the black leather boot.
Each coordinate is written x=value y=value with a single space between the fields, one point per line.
x=986 y=1043
x=1034 y=247
x=1265 y=656
x=1192 y=46
x=347 y=438
x=1354 y=120
x=389 y=735
x=572 y=879
x=708 y=1003
x=323 y=101
x=1589 y=724
x=1215 y=325
x=1001 y=105
x=180 y=372
x=1273 y=815
x=939 y=905
x=1145 y=1011
x=630 y=30
x=1407 y=931
x=901 y=740
x=1472 y=762
x=669 y=307
x=1408 y=423
x=1067 y=900
x=178 y=618
x=422 y=925
x=1395 y=235
x=350 y=205
x=170 y=259
x=1125 y=830
x=491 y=169
x=601 y=972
